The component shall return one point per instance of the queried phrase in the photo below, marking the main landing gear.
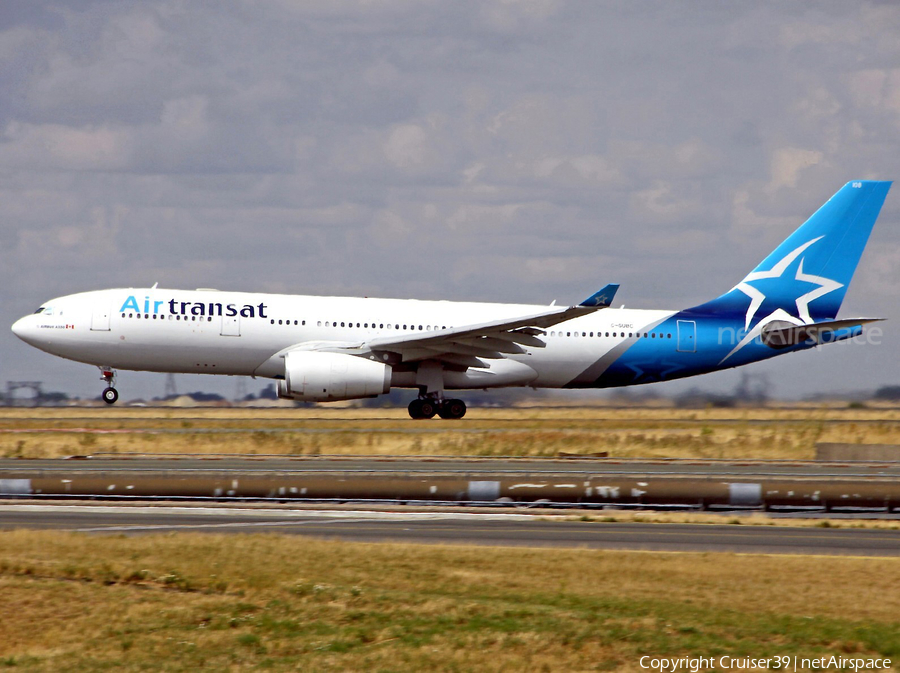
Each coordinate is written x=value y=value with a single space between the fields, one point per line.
x=427 y=407
x=110 y=394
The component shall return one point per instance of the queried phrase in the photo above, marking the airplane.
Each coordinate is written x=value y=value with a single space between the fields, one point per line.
x=323 y=349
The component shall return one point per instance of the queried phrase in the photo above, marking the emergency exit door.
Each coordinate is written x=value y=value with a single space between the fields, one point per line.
x=100 y=318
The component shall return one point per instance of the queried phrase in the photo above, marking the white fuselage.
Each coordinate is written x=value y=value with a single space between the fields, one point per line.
x=247 y=334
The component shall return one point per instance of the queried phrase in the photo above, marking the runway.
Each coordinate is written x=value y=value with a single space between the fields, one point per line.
x=499 y=530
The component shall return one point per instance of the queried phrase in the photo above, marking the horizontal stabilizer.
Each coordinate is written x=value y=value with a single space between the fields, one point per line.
x=602 y=298
x=781 y=334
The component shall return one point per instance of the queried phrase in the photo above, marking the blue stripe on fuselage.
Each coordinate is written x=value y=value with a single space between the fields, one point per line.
x=651 y=359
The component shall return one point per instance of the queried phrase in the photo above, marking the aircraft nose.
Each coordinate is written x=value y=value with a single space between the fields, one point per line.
x=23 y=328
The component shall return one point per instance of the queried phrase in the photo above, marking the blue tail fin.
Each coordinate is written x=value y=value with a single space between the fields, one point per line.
x=805 y=278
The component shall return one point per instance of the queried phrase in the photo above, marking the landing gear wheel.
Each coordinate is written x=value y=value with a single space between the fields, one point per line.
x=420 y=409
x=108 y=376
x=452 y=409
x=110 y=395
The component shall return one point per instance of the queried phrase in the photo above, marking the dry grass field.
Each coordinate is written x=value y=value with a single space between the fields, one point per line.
x=780 y=433
x=267 y=602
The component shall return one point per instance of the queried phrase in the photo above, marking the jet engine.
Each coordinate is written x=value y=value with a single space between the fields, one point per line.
x=326 y=377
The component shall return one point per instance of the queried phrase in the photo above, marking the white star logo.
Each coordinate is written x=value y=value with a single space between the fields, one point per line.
x=758 y=298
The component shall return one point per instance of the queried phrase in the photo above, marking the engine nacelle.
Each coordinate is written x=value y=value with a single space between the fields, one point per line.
x=327 y=377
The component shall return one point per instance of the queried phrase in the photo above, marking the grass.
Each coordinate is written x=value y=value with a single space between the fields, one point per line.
x=744 y=433
x=269 y=602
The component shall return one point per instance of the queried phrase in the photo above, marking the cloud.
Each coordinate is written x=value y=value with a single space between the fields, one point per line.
x=407 y=146
x=787 y=165
x=57 y=147
x=500 y=150
x=662 y=203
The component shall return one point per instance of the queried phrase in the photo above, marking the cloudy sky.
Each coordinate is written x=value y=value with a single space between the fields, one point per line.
x=500 y=150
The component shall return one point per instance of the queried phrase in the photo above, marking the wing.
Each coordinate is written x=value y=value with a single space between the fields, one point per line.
x=470 y=345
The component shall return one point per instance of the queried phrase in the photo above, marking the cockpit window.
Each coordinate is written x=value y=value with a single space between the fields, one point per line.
x=40 y=310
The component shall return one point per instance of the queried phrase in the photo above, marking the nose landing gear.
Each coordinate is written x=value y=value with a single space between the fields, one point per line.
x=110 y=394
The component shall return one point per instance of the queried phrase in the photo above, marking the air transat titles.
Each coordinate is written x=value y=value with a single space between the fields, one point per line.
x=194 y=308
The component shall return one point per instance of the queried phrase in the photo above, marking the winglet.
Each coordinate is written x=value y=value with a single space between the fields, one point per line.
x=602 y=298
